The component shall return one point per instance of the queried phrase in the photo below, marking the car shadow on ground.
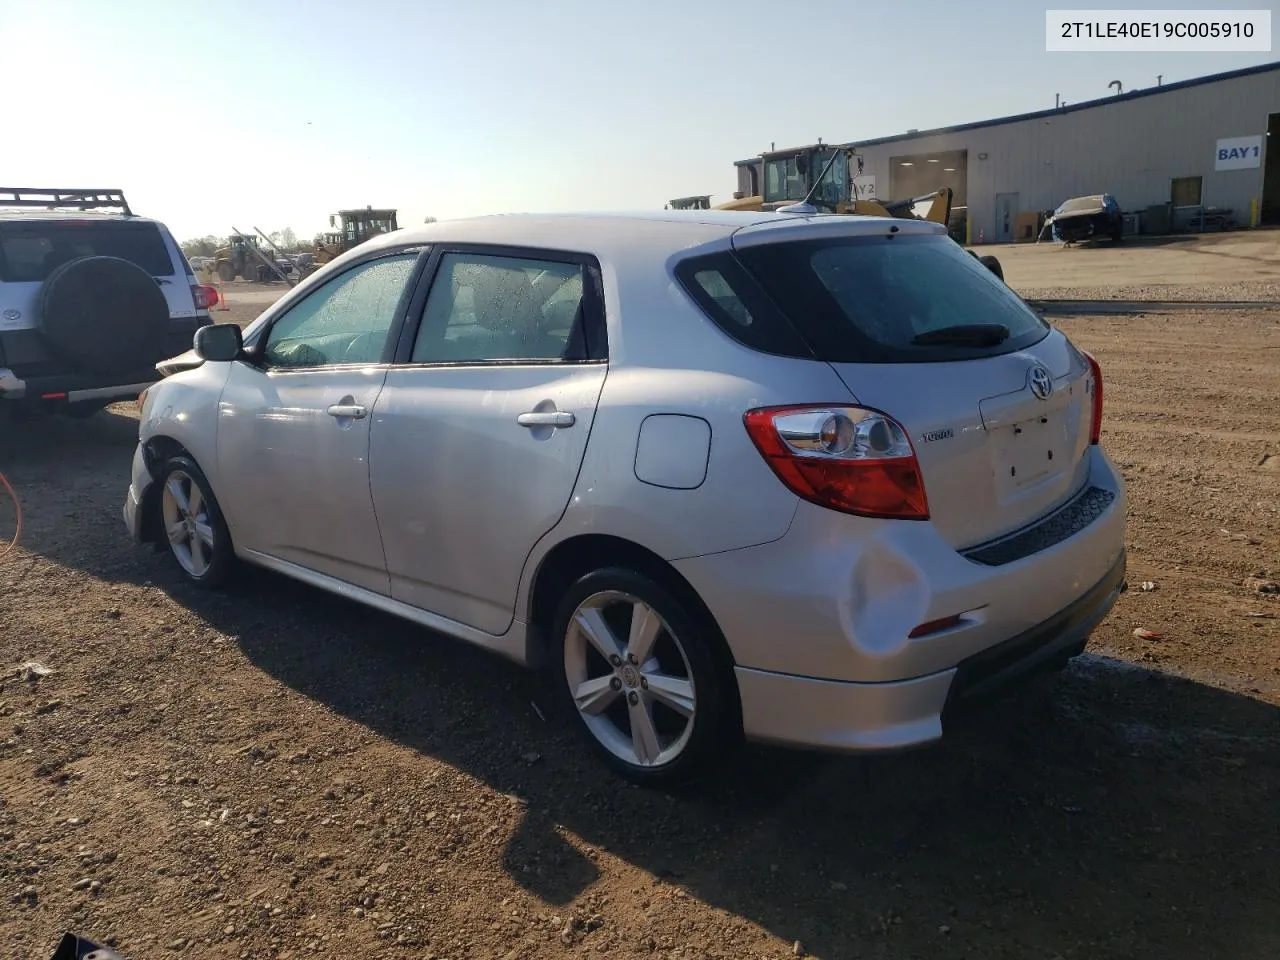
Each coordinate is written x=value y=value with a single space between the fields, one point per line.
x=1041 y=822
x=1109 y=812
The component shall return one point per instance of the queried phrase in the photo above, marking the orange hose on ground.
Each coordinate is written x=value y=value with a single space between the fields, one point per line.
x=17 y=509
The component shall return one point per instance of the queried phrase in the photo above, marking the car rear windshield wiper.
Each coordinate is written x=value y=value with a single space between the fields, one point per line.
x=964 y=335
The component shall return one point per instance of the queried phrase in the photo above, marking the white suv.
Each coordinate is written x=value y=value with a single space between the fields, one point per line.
x=91 y=298
x=818 y=480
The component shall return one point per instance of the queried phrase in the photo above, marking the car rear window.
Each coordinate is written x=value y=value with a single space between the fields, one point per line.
x=866 y=299
x=30 y=250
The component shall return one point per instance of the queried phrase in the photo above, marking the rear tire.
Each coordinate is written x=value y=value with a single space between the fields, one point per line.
x=651 y=695
x=191 y=524
x=226 y=272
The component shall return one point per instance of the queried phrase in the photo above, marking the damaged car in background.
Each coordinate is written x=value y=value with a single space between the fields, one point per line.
x=1095 y=217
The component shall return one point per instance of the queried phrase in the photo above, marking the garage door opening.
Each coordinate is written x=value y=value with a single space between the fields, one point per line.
x=917 y=174
x=1270 y=212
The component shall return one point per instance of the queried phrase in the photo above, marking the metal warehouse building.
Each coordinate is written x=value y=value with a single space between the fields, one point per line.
x=1170 y=152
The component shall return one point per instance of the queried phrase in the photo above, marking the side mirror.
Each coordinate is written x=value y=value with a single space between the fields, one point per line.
x=219 y=342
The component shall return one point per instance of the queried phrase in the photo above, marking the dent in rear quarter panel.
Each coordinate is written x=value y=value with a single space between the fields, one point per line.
x=837 y=597
x=184 y=407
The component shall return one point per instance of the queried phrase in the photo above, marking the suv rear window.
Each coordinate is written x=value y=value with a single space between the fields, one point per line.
x=31 y=249
x=866 y=299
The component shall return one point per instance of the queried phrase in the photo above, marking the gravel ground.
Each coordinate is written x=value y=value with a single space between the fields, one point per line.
x=273 y=772
x=1242 y=265
x=1267 y=291
x=244 y=301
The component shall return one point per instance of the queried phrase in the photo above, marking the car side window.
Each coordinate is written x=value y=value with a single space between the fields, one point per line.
x=714 y=284
x=485 y=308
x=346 y=320
x=734 y=302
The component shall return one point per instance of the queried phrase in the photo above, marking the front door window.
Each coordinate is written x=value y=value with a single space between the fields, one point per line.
x=347 y=320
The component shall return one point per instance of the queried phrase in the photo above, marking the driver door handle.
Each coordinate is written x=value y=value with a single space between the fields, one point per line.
x=353 y=410
x=548 y=418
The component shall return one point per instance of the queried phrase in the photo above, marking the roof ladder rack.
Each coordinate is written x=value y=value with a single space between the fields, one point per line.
x=52 y=198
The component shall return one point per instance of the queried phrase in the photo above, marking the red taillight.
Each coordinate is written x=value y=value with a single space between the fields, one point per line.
x=1095 y=371
x=845 y=458
x=204 y=295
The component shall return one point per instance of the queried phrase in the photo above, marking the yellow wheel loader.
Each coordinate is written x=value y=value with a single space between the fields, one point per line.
x=350 y=228
x=240 y=257
x=819 y=174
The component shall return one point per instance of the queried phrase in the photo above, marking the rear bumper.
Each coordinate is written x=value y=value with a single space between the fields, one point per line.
x=11 y=387
x=840 y=597
x=855 y=717
x=31 y=373
x=71 y=388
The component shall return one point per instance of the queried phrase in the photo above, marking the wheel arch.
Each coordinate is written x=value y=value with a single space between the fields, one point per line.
x=577 y=556
x=156 y=451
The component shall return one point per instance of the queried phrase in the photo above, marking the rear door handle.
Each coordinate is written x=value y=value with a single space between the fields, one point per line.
x=547 y=418
x=353 y=410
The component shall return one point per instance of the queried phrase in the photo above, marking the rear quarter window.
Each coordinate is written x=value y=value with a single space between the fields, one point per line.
x=735 y=303
x=31 y=250
x=866 y=299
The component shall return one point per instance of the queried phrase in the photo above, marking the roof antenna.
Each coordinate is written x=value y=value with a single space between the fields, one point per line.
x=805 y=206
x=1117 y=85
x=1159 y=78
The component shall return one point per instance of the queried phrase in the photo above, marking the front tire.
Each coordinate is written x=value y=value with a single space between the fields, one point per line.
x=639 y=669
x=192 y=525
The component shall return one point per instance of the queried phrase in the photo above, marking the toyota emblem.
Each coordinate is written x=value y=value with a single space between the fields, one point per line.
x=1040 y=382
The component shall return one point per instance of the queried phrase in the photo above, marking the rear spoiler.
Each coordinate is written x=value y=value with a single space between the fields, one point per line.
x=49 y=198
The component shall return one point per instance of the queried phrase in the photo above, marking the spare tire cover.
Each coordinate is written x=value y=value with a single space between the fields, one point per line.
x=104 y=315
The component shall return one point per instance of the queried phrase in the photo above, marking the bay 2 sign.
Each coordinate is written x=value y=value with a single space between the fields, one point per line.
x=1238 y=153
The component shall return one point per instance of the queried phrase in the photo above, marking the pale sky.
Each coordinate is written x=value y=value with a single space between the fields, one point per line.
x=219 y=113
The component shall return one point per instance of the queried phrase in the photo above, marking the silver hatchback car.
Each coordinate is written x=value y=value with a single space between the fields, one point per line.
x=811 y=480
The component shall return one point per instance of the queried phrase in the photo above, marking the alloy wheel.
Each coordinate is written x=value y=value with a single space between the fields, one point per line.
x=630 y=679
x=187 y=524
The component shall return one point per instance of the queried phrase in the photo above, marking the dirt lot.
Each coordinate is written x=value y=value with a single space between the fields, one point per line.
x=1238 y=265
x=244 y=301
x=272 y=772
